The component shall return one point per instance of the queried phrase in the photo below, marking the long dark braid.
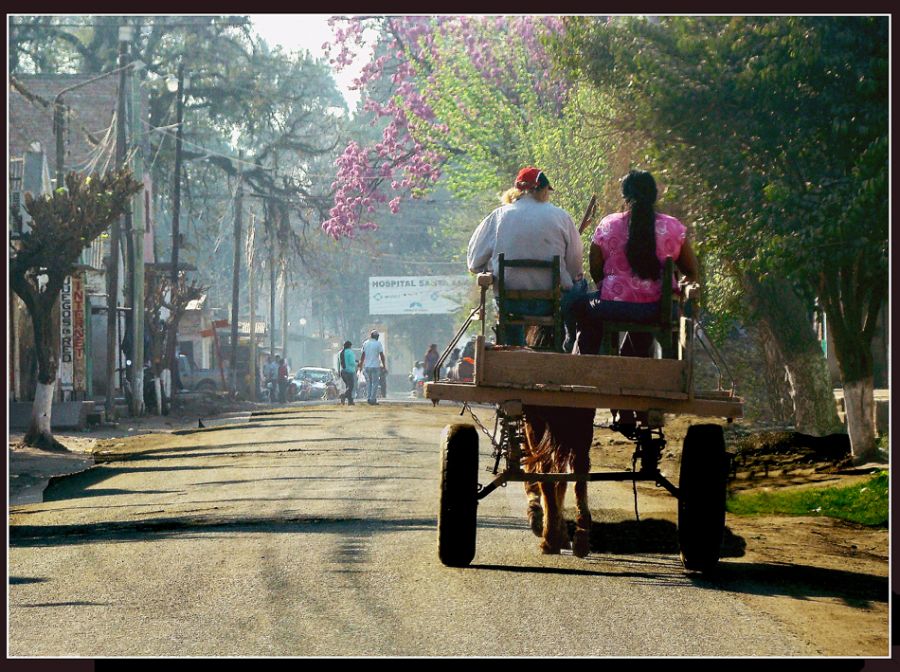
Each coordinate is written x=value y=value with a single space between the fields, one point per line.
x=639 y=190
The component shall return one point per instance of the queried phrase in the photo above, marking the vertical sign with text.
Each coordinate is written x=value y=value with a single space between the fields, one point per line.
x=78 y=345
x=66 y=354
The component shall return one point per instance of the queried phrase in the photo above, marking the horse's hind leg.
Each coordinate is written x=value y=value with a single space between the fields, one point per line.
x=560 y=503
x=581 y=464
x=552 y=542
x=535 y=511
x=582 y=543
x=534 y=430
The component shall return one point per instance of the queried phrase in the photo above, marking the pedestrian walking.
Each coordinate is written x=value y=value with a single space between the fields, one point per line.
x=431 y=360
x=270 y=373
x=451 y=363
x=373 y=363
x=347 y=362
x=282 y=378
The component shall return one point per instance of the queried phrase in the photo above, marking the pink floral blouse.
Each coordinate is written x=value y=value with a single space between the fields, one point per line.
x=619 y=283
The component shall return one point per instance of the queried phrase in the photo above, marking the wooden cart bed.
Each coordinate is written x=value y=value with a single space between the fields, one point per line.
x=585 y=381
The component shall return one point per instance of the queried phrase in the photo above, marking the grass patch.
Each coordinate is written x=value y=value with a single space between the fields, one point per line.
x=865 y=503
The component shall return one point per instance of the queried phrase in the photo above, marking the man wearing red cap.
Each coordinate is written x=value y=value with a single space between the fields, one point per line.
x=528 y=226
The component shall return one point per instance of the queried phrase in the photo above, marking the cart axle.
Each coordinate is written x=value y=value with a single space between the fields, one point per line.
x=507 y=477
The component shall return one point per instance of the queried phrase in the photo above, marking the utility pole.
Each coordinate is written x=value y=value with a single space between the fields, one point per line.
x=272 y=289
x=176 y=207
x=128 y=285
x=59 y=129
x=235 y=281
x=112 y=343
x=172 y=344
x=251 y=254
x=284 y=302
x=137 y=285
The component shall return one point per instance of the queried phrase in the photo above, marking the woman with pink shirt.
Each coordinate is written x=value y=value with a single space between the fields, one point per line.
x=628 y=252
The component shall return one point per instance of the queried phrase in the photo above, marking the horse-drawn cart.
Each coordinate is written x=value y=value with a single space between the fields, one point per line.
x=515 y=380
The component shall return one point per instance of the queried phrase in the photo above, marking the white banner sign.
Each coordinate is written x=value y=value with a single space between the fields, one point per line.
x=417 y=295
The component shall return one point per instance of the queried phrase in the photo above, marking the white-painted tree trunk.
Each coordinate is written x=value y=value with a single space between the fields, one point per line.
x=42 y=408
x=859 y=405
x=157 y=385
x=137 y=403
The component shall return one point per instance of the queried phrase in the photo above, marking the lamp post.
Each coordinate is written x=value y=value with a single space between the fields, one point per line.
x=302 y=323
x=177 y=86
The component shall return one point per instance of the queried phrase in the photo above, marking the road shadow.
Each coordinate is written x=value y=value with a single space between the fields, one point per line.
x=74 y=486
x=563 y=571
x=649 y=535
x=186 y=527
x=238 y=426
x=102 y=458
x=799 y=581
x=24 y=580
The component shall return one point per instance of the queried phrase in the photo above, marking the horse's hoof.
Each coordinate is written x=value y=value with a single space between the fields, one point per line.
x=582 y=546
x=536 y=520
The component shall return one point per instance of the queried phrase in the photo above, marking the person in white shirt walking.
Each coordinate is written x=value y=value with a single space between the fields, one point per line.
x=528 y=226
x=372 y=362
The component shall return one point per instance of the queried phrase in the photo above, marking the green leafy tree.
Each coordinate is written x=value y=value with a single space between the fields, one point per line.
x=775 y=131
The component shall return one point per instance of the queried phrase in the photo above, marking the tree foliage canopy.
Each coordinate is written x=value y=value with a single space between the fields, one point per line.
x=773 y=130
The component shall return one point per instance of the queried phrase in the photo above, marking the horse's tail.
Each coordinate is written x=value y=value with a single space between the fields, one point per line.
x=554 y=435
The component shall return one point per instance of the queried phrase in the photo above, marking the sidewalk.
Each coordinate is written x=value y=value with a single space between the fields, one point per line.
x=30 y=469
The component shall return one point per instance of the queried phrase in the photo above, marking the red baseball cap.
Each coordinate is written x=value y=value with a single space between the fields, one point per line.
x=531 y=178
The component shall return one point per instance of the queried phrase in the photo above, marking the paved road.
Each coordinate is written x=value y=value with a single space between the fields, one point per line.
x=313 y=533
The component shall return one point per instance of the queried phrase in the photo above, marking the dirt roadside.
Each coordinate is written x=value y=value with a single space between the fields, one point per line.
x=825 y=579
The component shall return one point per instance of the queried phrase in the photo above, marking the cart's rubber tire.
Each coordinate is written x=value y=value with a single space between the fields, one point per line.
x=459 y=495
x=702 y=485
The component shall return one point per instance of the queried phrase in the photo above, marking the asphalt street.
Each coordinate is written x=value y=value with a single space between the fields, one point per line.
x=312 y=533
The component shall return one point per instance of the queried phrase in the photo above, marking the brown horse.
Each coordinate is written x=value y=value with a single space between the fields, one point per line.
x=557 y=440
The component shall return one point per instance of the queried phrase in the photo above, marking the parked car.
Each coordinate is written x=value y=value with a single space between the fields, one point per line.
x=200 y=380
x=311 y=382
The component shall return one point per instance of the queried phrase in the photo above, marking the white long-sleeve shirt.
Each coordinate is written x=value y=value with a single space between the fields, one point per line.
x=527 y=229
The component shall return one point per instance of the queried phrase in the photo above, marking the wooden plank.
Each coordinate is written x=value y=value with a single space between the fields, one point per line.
x=723 y=408
x=686 y=351
x=478 y=375
x=664 y=394
x=502 y=367
x=713 y=394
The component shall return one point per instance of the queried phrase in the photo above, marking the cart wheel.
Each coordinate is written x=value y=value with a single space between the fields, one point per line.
x=459 y=502
x=701 y=500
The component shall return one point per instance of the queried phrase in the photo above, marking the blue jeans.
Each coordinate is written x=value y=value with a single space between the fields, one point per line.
x=515 y=333
x=372 y=383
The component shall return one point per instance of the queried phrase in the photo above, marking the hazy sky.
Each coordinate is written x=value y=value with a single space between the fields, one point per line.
x=304 y=31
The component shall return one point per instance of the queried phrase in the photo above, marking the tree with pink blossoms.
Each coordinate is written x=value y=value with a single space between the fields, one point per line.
x=469 y=99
